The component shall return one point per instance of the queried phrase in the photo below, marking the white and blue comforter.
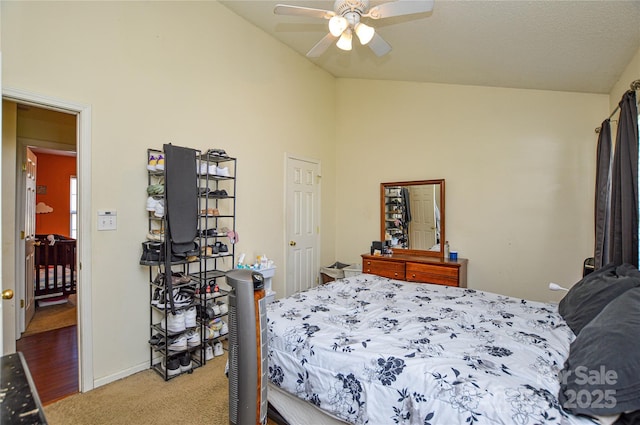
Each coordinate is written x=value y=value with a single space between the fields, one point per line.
x=371 y=350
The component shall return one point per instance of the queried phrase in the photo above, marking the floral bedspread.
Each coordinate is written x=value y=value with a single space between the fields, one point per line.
x=371 y=350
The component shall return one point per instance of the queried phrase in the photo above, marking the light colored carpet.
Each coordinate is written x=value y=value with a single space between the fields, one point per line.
x=52 y=317
x=200 y=397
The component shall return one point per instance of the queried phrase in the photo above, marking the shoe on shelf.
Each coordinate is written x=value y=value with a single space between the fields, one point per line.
x=177 y=277
x=153 y=162
x=151 y=203
x=222 y=172
x=207 y=251
x=216 y=309
x=203 y=168
x=157 y=296
x=158 y=211
x=185 y=362
x=160 y=163
x=216 y=324
x=224 y=309
x=180 y=299
x=217 y=152
x=155 y=189
x=174 y=323
x=208 y=353
x=155 y=236
x=156 y=339
x=193 y=338
x=172 y=366
x=224 y=329
x=210 y=333
x=190 y=317
x=177 y=343
x=217 y=349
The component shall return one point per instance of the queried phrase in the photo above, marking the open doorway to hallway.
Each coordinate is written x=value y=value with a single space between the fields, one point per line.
x=46 y=266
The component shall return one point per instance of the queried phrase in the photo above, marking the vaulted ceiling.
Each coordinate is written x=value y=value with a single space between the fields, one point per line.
x=572 y=45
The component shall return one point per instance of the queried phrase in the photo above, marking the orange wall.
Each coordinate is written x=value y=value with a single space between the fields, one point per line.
x=55 y=172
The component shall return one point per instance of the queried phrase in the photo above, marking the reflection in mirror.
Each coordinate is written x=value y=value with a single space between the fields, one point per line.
x=412 y=216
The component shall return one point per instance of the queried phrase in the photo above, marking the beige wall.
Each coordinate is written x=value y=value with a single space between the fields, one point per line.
x=190 y=73
x=518 y=165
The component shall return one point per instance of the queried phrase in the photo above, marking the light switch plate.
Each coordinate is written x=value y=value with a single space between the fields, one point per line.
x=107 y=219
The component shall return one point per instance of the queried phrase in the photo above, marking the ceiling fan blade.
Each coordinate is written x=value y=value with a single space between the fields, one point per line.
x=399 y=8
x=379 y=46
x=285 y=9
x=321 y=46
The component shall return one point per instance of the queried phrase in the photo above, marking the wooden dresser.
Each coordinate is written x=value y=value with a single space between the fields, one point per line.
x=417 y=268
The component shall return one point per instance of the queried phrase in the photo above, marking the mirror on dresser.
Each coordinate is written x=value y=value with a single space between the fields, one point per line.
x=412 y=216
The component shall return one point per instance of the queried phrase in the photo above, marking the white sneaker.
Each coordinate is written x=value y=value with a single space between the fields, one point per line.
x=217 y=349
x=216 y=309
x=208 y=352
x=225 y=328
x=151 y=203
x=152 y=163
x=190 y=317
x=159 y=209
x=224 y=172
x=160 y=163
x=179 y=343
x=193 y=338
x=223 y=307
x=203 y=169
x=179 y=300
x=213 y=170
x=175 y=322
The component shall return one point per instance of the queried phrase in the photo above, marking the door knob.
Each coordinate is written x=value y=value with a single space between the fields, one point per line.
x=292 y=243
x=7 y=294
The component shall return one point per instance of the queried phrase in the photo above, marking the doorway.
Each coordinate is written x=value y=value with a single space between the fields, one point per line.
x=46 y=209
x=302 y=224
x=82 y=114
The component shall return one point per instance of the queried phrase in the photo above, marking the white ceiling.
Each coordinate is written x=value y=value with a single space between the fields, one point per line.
x=580 y=46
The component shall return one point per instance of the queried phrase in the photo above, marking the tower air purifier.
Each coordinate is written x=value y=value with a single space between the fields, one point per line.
x=247 y=348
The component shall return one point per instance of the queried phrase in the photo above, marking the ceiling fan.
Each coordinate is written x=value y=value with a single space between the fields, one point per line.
x=345 y=20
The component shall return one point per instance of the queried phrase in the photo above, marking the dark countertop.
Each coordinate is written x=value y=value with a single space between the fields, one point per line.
x=19 y=401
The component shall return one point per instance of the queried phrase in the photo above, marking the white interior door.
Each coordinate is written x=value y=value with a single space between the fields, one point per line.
x=302 y=224
x=422 y=227
x=29 y=237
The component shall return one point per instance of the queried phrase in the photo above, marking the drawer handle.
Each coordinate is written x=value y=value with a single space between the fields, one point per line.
x=413 y=275
x=395 y=274
x=368 y=263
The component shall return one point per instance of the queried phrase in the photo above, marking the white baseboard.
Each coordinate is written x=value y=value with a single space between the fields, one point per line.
x=122 y=374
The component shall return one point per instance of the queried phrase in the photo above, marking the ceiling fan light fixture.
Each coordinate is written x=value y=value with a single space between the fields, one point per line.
x=364 y=32
x=337 y=25
x=344 y=42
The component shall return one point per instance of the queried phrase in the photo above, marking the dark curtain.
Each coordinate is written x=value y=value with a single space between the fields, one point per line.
x=623 y=238
x=603 y=188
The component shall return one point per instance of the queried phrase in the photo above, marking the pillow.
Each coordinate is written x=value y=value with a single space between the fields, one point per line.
x=589 y=296
x=601 y=376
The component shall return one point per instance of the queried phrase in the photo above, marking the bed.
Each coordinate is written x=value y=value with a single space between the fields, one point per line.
x=55 y=266
x=372 y=350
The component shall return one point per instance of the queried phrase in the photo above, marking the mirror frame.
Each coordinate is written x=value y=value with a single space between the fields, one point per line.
x=426 y=253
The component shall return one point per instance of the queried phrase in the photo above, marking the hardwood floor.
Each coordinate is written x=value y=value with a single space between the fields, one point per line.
x=52 y=358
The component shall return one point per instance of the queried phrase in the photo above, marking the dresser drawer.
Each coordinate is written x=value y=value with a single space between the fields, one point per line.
x=428 y=273
x=390 y=269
